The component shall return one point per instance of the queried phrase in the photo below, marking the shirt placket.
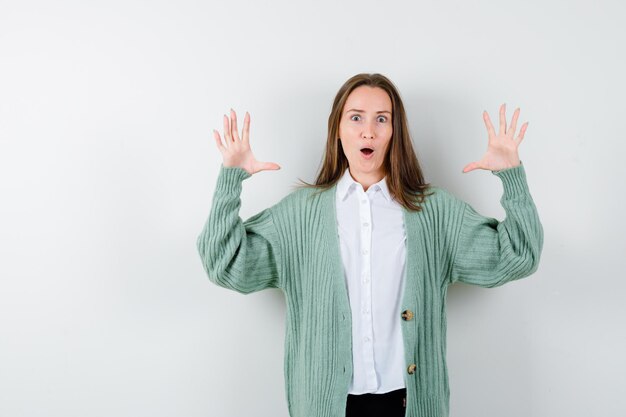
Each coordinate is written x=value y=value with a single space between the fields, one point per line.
x=367 y=331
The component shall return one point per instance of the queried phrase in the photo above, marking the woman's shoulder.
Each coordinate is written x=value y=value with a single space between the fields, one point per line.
x=438 y=195
x=299 y=197
x=439 y=191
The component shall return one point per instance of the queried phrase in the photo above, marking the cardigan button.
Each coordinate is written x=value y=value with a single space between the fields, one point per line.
x=411 y=368
x=407 y=315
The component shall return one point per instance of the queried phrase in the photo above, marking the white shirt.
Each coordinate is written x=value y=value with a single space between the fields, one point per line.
x=373 y=250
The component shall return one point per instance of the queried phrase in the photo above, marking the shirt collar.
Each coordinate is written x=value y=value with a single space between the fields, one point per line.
x=346 y=183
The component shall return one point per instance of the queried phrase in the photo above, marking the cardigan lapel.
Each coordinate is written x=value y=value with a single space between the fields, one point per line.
x=329 y=207
x=413 y=279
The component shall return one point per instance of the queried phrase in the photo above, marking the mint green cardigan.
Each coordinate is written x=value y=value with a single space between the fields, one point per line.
x=294 y=246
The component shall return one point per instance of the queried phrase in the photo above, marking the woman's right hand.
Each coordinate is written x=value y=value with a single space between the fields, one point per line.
x=237 y=153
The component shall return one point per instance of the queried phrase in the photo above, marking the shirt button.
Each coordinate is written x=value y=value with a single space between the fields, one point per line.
x=411 y=368
x=364 y=251
x=363 y=201
x=367 y=339
x=366 y=224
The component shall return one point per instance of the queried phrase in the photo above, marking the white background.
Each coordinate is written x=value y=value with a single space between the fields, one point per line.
x=108 y=166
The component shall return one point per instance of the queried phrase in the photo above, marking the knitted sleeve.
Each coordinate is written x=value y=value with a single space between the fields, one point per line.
x=490 y=253
x=242 y=256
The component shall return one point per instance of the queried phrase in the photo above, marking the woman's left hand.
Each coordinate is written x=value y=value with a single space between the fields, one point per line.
x=502 y=148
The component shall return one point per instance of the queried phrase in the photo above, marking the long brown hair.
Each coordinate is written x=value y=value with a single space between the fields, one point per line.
x=405 y=179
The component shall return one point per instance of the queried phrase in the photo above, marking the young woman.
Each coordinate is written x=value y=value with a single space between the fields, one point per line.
x=366 y=254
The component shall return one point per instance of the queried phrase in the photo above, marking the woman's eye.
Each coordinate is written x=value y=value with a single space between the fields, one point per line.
x=384 y=119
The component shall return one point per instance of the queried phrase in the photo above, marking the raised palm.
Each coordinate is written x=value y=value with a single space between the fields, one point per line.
x=502 y=149
x=236 y=152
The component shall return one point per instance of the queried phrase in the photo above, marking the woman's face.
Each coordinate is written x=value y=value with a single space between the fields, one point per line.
x=366 y=122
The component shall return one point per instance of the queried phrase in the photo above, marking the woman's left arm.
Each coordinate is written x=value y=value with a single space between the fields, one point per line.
x=487 y=252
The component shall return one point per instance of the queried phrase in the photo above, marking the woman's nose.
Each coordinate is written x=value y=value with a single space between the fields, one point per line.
x=368 y=132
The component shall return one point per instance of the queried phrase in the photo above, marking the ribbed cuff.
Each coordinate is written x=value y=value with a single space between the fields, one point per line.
x=513 y=181
x=230 y=178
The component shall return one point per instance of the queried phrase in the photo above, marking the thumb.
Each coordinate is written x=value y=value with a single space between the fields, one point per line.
x=270 y=166
x=470 y=167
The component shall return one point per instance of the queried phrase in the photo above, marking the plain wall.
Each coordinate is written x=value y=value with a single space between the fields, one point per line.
x=108 y=167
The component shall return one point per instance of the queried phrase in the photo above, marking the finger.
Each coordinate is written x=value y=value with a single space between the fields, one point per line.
x=503 y=119
x=514 y=122
x=270 y=165
x=246 y=128
x=487 y=120
x=470 y=167
x=520 y=137
x=218 y=141
x=233 y=125
x=227 y=136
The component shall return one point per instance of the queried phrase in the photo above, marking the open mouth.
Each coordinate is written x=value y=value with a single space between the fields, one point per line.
x=367 y=151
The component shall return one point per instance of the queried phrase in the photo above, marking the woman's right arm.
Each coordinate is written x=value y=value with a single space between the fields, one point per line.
x=242 y=256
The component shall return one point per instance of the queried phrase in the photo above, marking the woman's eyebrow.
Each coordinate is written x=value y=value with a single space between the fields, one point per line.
x=363 y=111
